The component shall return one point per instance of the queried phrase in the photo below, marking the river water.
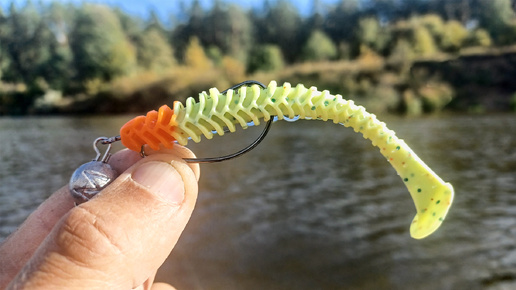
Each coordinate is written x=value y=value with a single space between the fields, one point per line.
x=315 y=206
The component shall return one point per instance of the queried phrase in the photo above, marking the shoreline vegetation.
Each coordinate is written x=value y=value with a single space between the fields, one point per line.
x=403 y=57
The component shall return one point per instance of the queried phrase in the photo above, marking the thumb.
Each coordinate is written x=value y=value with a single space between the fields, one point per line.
x=120 y=238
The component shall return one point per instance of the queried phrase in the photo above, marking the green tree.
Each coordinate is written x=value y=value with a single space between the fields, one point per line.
x=100 y=47
x=154 y=52
x=228 y=28
x=496 y=16
x=454 y=36
x=401 y=56
x=371 y=34
x=26 y=39
x=193 y=27
x=4 y=57
x=479 y=37
x=281 y=25
x=265 y=58
x=58 y=70
x=154 y=23
x=133 y=27
x=342 y=21
x=319 y=47
x=434 y=24
x=424 y=43
x=368 y=31
x=215 y=54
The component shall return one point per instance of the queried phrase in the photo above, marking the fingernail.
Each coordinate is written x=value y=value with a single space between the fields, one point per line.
x=161 y=179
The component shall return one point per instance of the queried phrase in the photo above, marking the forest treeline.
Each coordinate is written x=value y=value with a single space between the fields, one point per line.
x=89 y=58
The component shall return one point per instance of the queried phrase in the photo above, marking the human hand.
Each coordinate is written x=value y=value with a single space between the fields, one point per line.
x=117 y=240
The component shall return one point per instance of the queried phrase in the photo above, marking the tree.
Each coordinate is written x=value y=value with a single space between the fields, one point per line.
x=281 y=25
x=454 y=36
x=155 y=23
x=194 y=27
x=401 y=56
x=371 y=34
x=4 y=57
x=229 y=29
x=424 y=43
x=100 y=47
x=497 y=17
x=132 y=26
x=479 y=37
x=26 y=40
x=342 y=21
x=316 y=20
x=434 y=24
x=319 y=47
x=265 y=58
x=58 y=69
x=195 y=56
x=153 y=51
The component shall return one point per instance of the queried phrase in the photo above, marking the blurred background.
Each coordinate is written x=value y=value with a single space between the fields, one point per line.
x=314 y=206
x=400 y=56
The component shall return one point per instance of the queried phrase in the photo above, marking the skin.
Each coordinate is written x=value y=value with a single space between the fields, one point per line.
x=117 y=240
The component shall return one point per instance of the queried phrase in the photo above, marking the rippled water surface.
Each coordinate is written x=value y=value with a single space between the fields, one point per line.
x=315 y=206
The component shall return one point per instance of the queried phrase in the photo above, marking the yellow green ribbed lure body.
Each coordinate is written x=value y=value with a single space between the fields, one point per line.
x=215 y=111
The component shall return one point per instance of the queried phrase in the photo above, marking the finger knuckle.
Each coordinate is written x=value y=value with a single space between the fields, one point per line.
x=86 y=236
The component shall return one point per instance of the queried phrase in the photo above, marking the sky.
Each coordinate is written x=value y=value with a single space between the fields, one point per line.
x=164 y=8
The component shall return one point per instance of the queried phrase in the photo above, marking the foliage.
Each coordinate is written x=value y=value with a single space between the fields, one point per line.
x=497 y=16
x=226 y=27
x=229 y=29
x=479 y=37
x=215 y=55
x=435 y=96
x=319 y=47
x=24 y=31
x=433 y=23
x=412 y=104
x=454 y=36
x=233 y=69
x=512 y=102
x=401 y=56
x=100 y=47
x=265 y=58
x=281 y=26
x=195 y=56
x=424 y=43
x=342 y=20
x=369 y=58
x=153 y=51
x=371 y=34
x=76 y=50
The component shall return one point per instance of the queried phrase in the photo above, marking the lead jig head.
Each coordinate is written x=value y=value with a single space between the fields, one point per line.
x=90 y=178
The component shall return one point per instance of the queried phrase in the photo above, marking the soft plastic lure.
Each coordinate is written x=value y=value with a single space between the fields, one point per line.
x=215 y=112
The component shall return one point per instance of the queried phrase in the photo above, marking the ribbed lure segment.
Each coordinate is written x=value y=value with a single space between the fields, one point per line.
x=154 y=129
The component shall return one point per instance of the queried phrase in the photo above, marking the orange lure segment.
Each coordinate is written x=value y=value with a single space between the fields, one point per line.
x=153 y=129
